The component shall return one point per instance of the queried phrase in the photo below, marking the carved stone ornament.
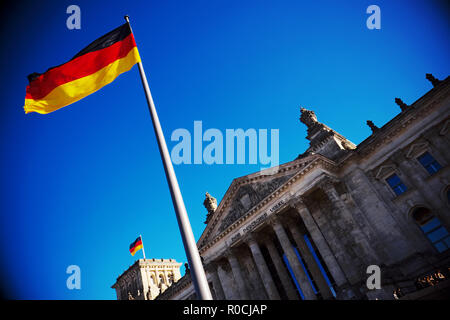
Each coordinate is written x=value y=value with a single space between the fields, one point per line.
x=248 y=196
x=308 y=117
x=372 y=126
x=210 y=204
x=401 y=104
x=434 y=81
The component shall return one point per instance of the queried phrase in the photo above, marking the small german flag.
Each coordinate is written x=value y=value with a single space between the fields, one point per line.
x=136 y=245
x=92 y=68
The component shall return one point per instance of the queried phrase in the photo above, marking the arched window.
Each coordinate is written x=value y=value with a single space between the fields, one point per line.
x=161 y=279
x=170 y=278
x=432 y=228
x=153 y=279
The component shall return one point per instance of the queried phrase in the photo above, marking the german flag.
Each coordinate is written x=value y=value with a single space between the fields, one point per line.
x=136 y=245
x=91 y=69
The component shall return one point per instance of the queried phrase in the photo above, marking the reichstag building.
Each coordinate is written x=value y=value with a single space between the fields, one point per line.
x=310 y=229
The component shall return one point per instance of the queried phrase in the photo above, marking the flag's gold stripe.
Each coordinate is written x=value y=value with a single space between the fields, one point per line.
x=73 y=91
x=139 y=247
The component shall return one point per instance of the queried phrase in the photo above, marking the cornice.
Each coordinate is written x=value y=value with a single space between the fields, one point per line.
x=400 y=123
x=396 y=126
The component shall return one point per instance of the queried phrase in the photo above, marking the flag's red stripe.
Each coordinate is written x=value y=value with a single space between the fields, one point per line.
x=79 y=67
x=135 y=245
x=134 y=249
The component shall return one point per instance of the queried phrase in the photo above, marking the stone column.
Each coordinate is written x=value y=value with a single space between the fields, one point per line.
x=227 y=290
x=282 y=272
x=254 y=283
x=367 y=254
x=263 y=270
x=310 y=261
x=237 y=273
x=220 y=295
x=321 y=244
x=296 y=267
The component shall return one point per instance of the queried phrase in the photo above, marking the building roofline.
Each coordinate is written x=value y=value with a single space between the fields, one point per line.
x=380 y=134
x=403 y=114
x=144 y=261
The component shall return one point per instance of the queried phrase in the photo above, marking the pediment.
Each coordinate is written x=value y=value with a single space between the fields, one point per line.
x=383 y=171
x=416 y=148
x=248 y=196
x=248 y=192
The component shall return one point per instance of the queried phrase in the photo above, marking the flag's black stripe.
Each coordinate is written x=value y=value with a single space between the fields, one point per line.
x=134 y=243
x=105 y=41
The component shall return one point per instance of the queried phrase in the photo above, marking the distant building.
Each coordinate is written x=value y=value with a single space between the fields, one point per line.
x=310 y=228
x=146 y=279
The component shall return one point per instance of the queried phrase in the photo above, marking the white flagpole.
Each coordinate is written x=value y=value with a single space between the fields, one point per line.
x=143 y=251
x=197 y=272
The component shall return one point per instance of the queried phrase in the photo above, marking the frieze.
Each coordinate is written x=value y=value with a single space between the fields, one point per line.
x=277 y=206
x=255 y=223
x=236 y=237
x=258 y=221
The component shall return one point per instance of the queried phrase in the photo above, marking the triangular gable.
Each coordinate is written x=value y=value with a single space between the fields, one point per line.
x=384 y=171
x=247 y=192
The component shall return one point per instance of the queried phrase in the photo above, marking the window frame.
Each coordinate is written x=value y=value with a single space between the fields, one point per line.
x=426 y=233
x=421 y=154
x=391 y=188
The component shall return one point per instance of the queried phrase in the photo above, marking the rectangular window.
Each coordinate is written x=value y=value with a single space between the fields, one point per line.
x=437 y=234
x=396 y=184
x=429 y=163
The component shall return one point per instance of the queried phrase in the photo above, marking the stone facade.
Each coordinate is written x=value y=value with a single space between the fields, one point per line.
x=146 y=279
x=309 y=228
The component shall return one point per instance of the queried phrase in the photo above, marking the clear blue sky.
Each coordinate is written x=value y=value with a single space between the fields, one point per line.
x=80 y=184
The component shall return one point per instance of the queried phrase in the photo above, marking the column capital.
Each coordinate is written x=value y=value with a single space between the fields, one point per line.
x=298 y=203
x=327 y=183
x=273 y=221
x=249 y=238
x=229 y=253
x=330 y=190
x=212 y=265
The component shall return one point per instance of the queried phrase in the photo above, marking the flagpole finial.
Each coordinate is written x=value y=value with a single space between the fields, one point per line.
x=127 y=18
